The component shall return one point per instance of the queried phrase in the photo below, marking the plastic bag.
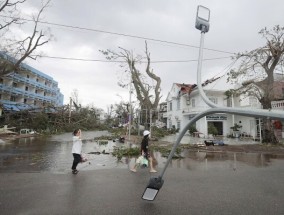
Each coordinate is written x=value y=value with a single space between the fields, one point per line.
x=142 y=161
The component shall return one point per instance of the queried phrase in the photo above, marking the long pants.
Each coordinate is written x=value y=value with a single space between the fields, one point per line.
x=77 y=159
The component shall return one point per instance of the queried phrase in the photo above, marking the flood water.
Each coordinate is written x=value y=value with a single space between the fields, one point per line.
x=53 y=154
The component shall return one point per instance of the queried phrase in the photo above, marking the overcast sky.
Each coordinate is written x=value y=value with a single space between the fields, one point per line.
x=234 y=27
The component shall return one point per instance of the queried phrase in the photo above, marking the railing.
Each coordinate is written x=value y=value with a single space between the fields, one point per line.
x=277 y=105
x=31 y=82
x=19 y=91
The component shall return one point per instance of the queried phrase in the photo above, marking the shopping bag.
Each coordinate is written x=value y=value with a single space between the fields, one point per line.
x=142 y=161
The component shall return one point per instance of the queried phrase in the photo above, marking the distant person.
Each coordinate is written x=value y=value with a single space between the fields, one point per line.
x=145 y=152
x=76 y=150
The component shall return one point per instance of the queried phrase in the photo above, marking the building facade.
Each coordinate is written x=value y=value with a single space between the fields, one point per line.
x=184 y=102
x=28 y=88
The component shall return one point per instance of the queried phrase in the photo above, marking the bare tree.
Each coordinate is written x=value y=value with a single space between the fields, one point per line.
x=147 y=94
x=75 y=96
x=23 y=48
x=9 y=13
x=257 y=67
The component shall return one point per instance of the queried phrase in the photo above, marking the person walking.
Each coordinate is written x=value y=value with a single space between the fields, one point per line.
x=145 y=152
x=76 y=150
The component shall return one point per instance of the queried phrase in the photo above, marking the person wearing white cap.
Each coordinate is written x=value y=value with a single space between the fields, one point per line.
x=145 y=152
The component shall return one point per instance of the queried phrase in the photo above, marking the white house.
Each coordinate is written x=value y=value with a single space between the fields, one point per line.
x=184 y=102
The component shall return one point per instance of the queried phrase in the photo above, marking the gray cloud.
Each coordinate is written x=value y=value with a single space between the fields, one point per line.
x=234 y=27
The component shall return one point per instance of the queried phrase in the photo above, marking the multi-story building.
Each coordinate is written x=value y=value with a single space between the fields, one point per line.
x=184 y=102
x=28 y=88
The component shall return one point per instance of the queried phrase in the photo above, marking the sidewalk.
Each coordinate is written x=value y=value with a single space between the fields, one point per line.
x=192 y=140
x=247 y=190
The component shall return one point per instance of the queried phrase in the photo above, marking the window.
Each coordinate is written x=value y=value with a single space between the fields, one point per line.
x=36 y=91
x=27 y=88
x=14 y=84
x=13 y=98
x=178 y=124
x=34 y=102
x=28 y=76
x=214 y=100
x=171 y=106
x=229 y=102
x=44 y=93
x=193 y=102
x=1 y=81
x=25 y=101
x=178 y=104
x=37 y=80
x=0 y=96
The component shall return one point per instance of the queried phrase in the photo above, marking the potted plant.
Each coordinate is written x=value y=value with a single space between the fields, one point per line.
x=236 y=131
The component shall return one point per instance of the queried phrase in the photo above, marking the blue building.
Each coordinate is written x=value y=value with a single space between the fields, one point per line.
x=28 y=88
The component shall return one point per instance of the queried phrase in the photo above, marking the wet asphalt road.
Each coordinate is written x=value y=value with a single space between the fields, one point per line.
x=245 y=190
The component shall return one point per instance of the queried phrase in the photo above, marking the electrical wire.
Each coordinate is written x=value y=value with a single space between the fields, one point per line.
x=120 y=34
x=222 y=73
x=117 y=61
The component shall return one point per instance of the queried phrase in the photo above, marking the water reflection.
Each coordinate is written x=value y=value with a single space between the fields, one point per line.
x=201 y=160
x=54 y=154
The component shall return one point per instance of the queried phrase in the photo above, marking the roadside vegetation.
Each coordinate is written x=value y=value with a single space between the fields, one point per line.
x=54 y=120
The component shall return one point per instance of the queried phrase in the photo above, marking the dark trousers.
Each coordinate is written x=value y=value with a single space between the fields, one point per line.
x=77 y=159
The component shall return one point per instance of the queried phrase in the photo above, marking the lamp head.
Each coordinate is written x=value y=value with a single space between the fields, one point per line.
x=202 y=19
x=152 y=188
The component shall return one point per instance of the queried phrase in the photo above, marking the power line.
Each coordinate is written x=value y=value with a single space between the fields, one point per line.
x=117 y=61
x=121 y=34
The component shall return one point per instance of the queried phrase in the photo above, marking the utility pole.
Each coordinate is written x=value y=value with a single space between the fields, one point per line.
x=130 y=107
x=70 y=106
x=138 y=120
x=146 y=127
x=150 y=120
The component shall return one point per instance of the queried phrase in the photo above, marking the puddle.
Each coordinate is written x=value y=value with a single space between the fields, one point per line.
x=53 y=154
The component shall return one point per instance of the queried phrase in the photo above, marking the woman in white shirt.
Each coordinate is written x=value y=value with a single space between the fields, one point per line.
x=76 y=150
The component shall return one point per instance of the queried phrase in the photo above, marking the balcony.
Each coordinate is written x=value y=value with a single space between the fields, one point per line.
x=277 y=105
x=21 y=92
x=30 y=82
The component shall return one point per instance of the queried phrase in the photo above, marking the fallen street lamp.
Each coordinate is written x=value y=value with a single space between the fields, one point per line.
x=156 y=183
x=153 y=188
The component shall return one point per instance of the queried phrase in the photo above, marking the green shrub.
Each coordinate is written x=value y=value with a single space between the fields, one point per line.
x=120 y=152
x=212 y=129
x=192 y=129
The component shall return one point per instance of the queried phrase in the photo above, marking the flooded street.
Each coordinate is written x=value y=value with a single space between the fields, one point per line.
x=53 y=154
x=202 y=182
x=37 y=154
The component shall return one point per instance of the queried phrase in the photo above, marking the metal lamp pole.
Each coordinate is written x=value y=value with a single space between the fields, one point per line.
x=154 y=185
x=202 y=24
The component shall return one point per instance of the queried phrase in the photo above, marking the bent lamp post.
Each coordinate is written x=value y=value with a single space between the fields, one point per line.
x=156 y=183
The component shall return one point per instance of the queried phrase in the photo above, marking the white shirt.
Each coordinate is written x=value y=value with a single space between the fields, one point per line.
x=77 y=145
